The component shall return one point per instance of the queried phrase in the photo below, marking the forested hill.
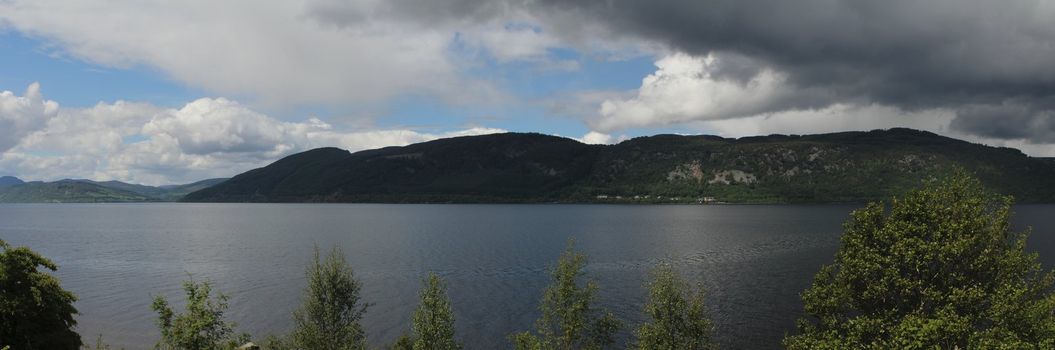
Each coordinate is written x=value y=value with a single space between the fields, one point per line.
x=14 y=190
x=517 y=167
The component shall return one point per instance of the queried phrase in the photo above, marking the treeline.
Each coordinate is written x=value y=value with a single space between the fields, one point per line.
x=331 y=311
x=938 y=268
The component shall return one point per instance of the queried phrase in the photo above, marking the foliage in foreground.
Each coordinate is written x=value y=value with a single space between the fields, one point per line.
x=331 y=313
x=201 y=326
x=433 y=323
x=35 y=312
x=940 y=269
x=678 y=316
x=100 y=344
x=569 y=319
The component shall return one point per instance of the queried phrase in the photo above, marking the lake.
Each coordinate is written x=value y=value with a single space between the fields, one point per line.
x=753 y=260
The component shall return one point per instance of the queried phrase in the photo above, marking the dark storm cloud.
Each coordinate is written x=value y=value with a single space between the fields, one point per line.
x=998 y=57
x=1033 y=121
x=904 y=53
x=991 y=61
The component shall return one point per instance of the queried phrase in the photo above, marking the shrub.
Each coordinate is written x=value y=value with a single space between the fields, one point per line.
x=569 y=321
x=678 y=316
x=330 y=314
x=35 y=312
x=201 y=326
x=433 y=323
x=940 y=269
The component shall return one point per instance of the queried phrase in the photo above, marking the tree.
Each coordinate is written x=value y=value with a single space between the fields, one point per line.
x=433 y=323
x=404 y=342
x=201 y=326
x=679 y=319
x=273 y=342
x=35 y=312
x=330 y=315
x=568 y=319
x=940 y=269
x=100 y=344
x=434 y=319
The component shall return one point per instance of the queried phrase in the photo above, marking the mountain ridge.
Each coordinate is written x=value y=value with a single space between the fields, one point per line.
x=89 y=191
x=531 y=167
x=10 y=180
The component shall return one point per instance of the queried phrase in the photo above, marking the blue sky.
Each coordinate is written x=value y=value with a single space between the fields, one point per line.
x=172 y=92
x=76 y=83
x=79 y=84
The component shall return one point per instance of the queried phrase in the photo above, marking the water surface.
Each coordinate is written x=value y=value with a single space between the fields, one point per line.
x=753 y=260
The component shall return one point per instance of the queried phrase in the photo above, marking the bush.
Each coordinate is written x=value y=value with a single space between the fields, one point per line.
x=100 y=344
x=201 y=326
x=569 y=320
x=433 y=323
x=330 y=314
x=940 y=269
x=35 y=312
x=679 y=319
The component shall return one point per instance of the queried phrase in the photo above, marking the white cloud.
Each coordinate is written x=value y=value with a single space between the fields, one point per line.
x=686 y=88
x=841 y=117
x=20 y=115
x=208 y=126
x=595 y=138
x=512 y=43
x=281 y=53
x=267 y=50
x=518 y=43
x=382 y=138
x=208 y=137
x=303 y=52
x=600 y=138
x=834 y=118
x=711 y=95
x=98 y=129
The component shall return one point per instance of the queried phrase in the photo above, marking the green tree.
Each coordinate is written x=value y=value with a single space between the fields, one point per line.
x=330 y=314
x=434 y=320
x=201 y=326
x=100 y=344
x=569 y=321
x=35 y=312
x=404 y=342
x=941 y=269
x=273 y=342
x=679 y=318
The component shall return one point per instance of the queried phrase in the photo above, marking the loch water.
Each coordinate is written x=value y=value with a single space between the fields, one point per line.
x=753 y=260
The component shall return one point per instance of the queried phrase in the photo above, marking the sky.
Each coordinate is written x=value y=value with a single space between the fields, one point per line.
x=166 y=92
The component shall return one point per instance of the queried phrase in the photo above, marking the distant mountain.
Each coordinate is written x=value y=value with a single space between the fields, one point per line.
x=10 y=180
x=88 y=191
x=516 y=167
x=475 y=169
x=148 y=191
x=66 y=191
x=161 y=193
x=176 y=192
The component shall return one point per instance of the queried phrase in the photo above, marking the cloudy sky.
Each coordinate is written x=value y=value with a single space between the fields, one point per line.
x=161 y=92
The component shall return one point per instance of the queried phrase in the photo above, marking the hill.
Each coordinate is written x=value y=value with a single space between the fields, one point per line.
x=487 y=168
x=10 y=180
x=161 y=193
x=66 y=191
x=88 y=191
x=176 y=192
x=516 y=167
